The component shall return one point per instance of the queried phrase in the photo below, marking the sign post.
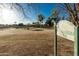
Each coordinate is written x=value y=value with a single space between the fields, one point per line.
x=55 y=35
x=76 y=43
x=55 y=39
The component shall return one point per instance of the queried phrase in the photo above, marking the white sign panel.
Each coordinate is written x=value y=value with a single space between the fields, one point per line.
x=66 y=30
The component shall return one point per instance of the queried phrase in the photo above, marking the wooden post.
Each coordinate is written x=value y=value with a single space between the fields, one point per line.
x=55 y=39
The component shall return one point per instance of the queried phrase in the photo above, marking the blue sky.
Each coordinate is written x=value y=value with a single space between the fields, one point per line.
x=11 y=13
x=42 y=8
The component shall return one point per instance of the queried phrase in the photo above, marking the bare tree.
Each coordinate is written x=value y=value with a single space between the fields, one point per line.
x=72 y=10
x=19 y=8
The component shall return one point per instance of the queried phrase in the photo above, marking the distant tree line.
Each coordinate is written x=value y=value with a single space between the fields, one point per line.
x=50 y=20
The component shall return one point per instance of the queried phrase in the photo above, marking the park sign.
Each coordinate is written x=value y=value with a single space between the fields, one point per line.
x=66 y=29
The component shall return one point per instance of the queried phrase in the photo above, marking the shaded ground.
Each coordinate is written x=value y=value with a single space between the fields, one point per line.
x=27 y=42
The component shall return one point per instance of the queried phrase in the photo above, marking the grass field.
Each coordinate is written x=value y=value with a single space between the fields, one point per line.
x=32 y=43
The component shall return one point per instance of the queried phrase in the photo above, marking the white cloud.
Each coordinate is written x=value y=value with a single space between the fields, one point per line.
x=9 y=16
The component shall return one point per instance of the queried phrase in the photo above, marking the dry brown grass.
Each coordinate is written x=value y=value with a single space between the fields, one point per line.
x=27 y=42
